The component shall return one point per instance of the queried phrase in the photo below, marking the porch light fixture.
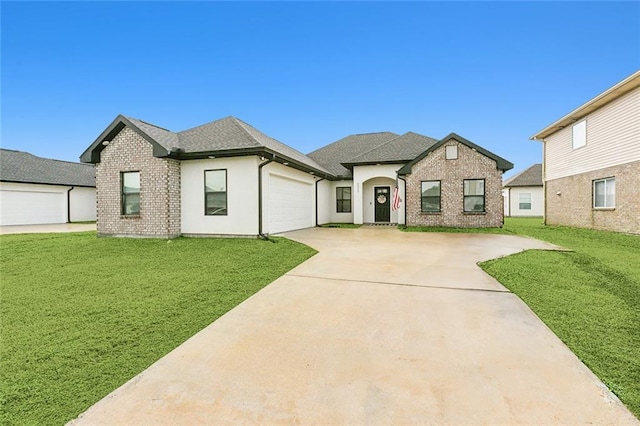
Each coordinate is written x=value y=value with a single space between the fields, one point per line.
x=285 y=164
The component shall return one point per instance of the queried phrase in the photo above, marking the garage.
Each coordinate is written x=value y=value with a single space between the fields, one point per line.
x=21 y=205
x=35 y=190
x=290 y=204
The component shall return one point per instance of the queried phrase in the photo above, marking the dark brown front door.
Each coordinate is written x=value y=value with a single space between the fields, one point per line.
x=382 y=201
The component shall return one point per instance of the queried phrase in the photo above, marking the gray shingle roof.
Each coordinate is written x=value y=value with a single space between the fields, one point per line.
x=225 y=135
x=528 y=177
x=401 y=149
x=333 y=155
x=18 y=166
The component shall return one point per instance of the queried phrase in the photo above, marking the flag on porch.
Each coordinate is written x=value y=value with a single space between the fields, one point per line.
x=396 y=199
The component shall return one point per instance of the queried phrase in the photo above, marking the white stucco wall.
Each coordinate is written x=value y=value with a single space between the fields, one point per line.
x=83 y=204
x=512 y=201
x=306 y=179
x=242 y=197
x=326 y=194
x=364 y=179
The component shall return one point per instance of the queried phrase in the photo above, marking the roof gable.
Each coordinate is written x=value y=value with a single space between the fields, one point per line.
x=332 y=155
x=531 y=176
x=22 y=167
x=501 y=163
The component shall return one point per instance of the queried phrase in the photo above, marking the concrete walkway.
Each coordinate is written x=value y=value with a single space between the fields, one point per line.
x=380 y=327
x=47 y=228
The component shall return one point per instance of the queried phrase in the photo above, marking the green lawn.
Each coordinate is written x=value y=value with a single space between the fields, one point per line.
x=81 y=315
x=589 y=297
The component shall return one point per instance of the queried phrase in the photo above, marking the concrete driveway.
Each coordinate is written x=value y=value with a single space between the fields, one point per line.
x=47 y=228
x=381 y=327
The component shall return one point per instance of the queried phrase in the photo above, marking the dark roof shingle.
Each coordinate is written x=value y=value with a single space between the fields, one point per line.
x=528 y=177
x=401 y=149
x=333 y=155
x=19 y=166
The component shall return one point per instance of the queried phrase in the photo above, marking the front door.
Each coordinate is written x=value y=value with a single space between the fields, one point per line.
x=382 y=201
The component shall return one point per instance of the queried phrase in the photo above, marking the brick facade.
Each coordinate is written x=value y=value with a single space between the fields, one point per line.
x=470 y=164
x=569 y=200
x=159 y=189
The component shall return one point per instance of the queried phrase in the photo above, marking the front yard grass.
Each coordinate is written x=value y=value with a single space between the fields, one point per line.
x=589 y=297
x=81 y=315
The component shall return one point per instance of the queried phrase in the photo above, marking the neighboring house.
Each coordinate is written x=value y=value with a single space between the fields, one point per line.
x=523 y=193
x=592 y=162
x=228 y=178
x=35 y=190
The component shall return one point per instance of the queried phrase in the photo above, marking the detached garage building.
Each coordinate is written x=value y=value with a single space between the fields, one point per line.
x=35 y=190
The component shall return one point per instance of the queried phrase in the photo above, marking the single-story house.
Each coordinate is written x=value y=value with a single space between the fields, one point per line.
x=523 y=193
x=35 y=190
x=591 y=162
x=228 y=178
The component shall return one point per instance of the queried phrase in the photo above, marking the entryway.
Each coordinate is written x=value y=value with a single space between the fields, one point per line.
x=382 y=203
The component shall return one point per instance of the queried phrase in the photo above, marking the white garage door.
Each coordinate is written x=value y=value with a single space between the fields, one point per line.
x=26 y=208
x=290 y=204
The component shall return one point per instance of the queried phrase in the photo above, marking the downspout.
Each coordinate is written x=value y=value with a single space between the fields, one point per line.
x=509 y=204
x=260 y=234
x=404 y=201
x=69 y=204
x=317 y=201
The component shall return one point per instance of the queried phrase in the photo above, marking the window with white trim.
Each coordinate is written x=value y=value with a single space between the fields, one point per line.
x=604 y=193
x=524 y=201
x=579 y=134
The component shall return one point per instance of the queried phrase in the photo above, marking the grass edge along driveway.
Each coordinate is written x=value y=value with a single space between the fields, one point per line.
x=81 y=315
x=589 y=297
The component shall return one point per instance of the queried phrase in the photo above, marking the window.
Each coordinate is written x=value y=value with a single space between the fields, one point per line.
x=474 y=195
x=215 y=192
x=525 y=201
x=604 y=193
x=579 y=134
x=451 y=152
x=343 y=199
x=430 y=196
x=130 y=185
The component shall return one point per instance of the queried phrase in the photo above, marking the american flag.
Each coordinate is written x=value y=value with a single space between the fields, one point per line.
x=396 y=199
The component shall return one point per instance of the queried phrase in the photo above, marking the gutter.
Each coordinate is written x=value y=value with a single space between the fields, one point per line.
x=404 y=201
x=260 y=234
x=69 y=204
x=317 y=200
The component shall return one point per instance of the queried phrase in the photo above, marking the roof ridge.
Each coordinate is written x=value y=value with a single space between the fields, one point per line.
x=45 y=158
x=205 y=124
x=237 y=122
x=150 y=124
x=377 y=146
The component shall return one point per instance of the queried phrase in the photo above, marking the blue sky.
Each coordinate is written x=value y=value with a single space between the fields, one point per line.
x=309 y=73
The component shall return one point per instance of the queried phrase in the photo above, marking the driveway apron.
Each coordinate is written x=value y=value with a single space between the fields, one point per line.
x=380 y=327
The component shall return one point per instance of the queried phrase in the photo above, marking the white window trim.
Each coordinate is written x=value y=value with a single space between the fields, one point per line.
x=607 y=182
x=579 y=134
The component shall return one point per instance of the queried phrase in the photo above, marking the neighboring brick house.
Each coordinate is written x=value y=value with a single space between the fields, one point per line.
x=36 y=190
x=523 y=193
x=228 y=178
x=592 y=162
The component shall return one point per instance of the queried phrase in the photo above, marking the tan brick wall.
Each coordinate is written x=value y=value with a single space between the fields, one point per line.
x=574 y=205
x=451 y=173
x=159 y=189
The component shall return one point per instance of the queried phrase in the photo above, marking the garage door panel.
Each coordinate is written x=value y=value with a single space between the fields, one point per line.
x=290 y=204
x=26 y=207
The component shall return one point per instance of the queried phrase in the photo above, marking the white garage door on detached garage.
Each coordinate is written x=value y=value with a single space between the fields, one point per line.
x=290 y=204
x=21 y=207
